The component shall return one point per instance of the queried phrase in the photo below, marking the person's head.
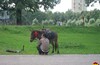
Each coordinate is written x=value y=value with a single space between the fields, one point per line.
x=44 y=35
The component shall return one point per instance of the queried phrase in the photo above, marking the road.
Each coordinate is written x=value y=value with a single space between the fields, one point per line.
x=70 y=59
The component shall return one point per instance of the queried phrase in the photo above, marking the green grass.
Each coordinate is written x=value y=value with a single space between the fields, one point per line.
x=72 y=40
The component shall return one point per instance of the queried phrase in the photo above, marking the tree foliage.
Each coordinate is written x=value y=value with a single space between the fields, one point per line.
x=31 y=5
x=48 y=17
x=90 y=1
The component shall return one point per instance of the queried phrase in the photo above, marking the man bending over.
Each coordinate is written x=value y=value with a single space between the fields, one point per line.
x=43 y=46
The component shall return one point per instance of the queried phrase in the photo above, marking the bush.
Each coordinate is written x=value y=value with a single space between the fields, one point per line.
x=44 y=22
x=35 y=21
x=97 y=23
x=48 y=22
x=79 y=23
x=73 y=22
x=86 y=20
x=68 y=22
x=91 y=21
x=51 y=22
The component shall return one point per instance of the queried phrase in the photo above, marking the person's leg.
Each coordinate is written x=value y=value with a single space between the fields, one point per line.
x=45 y=53
x=39 y=50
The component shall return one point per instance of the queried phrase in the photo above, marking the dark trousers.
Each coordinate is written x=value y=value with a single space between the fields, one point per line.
x=41 y=52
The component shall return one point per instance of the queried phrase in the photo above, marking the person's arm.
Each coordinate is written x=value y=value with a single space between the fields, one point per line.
x=39 y=43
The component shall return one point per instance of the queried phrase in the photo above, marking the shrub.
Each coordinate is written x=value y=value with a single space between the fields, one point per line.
x=73 y=22
x=79 y=23
x=68 y=22
x=97 y=23
x=91 y=21
x=48 y=22
x=51 y=22
x=35 y=21
x=86 y=20
x=45 y=22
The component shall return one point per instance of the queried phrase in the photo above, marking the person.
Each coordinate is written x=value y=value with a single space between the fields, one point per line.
x=46 y=31
x=43 y=45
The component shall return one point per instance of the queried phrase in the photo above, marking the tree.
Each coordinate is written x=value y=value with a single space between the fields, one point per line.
x=95 y=14
x=90 y=1
x=39 y=16
x=56 y=17
x=69 y=15
x=31 y=5
x=49 y=15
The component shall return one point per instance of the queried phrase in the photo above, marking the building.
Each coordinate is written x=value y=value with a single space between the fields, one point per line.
x=78 y=5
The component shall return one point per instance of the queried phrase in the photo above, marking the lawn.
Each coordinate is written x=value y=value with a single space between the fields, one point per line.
x=72 y=40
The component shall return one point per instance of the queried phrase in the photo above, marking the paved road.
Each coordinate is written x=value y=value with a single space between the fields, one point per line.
x=49 y=59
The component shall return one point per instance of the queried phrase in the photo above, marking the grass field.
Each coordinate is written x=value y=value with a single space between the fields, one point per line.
x=72 y=40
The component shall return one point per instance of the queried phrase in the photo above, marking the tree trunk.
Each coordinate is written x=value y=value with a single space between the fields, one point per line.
x=18 y=16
